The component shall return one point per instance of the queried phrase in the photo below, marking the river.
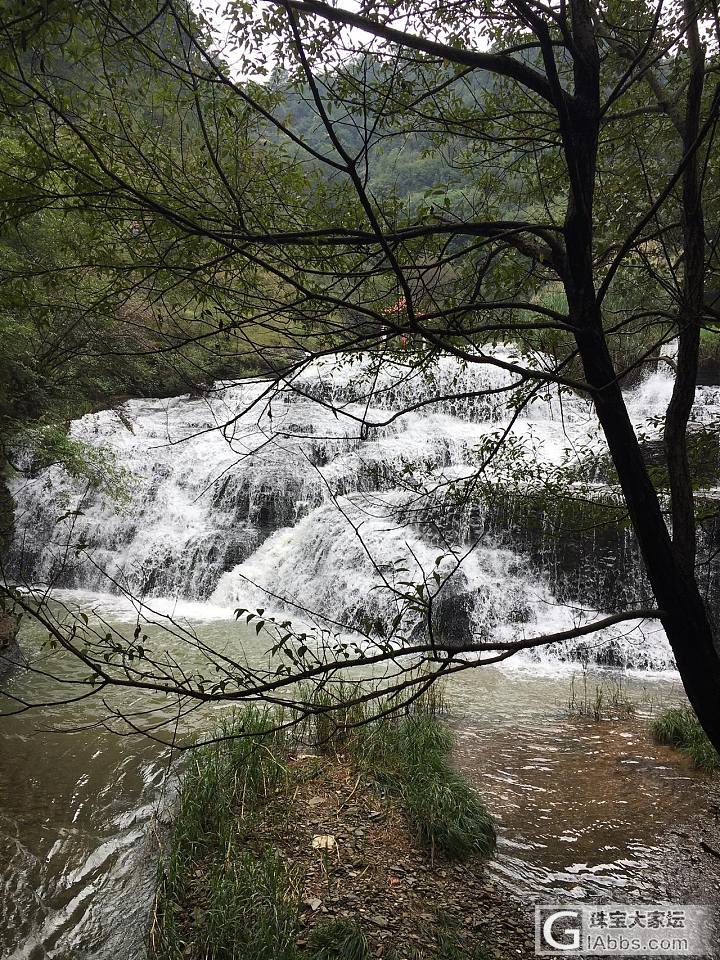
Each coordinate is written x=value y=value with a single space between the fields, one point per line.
x=581 y=806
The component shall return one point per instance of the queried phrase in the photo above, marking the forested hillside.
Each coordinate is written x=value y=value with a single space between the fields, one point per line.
x=103 y=297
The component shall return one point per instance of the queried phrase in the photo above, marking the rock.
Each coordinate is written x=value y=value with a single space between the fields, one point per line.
x=324 y=842
x=313 y=903
x=7 y=516
x=708 y=374
x=452 y=616
x=9 y=651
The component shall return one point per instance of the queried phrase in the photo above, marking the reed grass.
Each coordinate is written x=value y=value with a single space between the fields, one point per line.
x=606 y=700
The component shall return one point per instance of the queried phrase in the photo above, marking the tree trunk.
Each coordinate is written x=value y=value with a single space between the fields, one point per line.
x=683 y=612
x=684 y=615
x=690 y=313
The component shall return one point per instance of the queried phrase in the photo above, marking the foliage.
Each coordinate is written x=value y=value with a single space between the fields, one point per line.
x=220 y=897
x=91 y=310
x=607 y=700
x=49 y=444
x=410 y=757
x=209 y=904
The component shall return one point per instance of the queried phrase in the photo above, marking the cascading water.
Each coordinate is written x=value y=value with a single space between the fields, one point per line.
x=312 y=496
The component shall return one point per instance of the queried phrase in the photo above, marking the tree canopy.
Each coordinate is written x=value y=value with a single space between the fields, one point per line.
x=458 y=176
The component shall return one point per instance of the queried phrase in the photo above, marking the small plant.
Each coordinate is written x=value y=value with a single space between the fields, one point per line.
x=444 y=943
x=213 y=902
x=250 y=910
x=607 y=700
x=679 y=727
x=338 y=940
x=333 y=715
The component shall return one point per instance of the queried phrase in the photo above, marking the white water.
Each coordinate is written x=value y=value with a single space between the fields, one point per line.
x=311 y=499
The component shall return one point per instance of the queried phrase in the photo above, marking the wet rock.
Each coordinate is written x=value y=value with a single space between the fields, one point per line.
x=708 y=374
x=9 y=626
x=452 y=620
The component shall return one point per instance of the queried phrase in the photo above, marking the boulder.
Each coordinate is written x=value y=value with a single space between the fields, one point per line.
x=452 y=617
x=9 y=650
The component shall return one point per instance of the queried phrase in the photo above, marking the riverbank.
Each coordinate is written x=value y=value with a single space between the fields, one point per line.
x=692 y=866
x=576 y=804
x=369 y=846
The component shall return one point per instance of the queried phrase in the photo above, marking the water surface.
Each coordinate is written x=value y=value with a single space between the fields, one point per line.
x=580 y=805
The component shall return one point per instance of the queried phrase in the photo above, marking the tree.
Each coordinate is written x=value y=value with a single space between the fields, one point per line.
x=569 y=192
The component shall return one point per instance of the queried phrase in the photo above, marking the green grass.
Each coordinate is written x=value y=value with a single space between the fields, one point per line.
x=343 y=939
x=411 y=758
x=215 y=901
x=250 y=909
x=220 y=897
x=680 y=727
x=443 y=943
x=338 y=940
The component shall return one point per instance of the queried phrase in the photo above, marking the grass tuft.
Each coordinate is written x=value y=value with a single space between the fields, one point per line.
x=249 y=910
x=680 y=727
x=212 y=902
x=443 y=943
x=222 y=897
x=608 y=700
x=411 y=757
x=338 y=940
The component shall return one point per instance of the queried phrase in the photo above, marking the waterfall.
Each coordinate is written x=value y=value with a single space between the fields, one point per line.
x=317 y=498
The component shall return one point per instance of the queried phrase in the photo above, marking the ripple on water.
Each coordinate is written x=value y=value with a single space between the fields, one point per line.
x=581 y=806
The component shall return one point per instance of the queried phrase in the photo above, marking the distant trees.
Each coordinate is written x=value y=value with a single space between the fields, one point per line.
x=590 y=224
